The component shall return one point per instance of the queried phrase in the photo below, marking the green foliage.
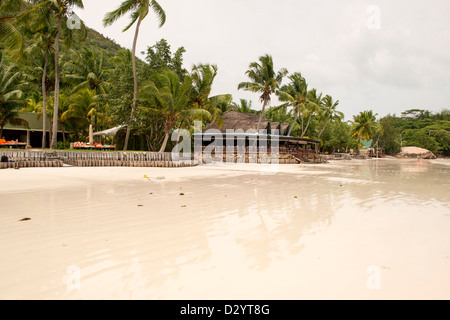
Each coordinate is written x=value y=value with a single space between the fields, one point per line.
x=337 y=138
x=11 y=95
x=419 y=138
x=390 y=137
x=417 y=127
x=159 y=57
x=365 y=126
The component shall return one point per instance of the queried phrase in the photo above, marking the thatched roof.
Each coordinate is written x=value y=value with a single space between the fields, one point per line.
x=234 y=120
x=284 y=129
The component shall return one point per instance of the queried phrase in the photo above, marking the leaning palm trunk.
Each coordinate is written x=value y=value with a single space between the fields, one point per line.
x=293 y=123
x=56 y=104
x=307 y=126
x=135 y=93
x=166 y=140
x=44 y=100
x=326 y=124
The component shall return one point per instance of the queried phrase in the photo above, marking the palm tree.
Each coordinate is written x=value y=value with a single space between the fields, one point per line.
x=330 y=111
x=82 y=109
x=139 y=10
x=87 y=71
x=59 y=10
x=11 y=96
x=365 y=126
x=296 y=95
x=245 y=106
x=41 y=27
x=169 y=97
x=312 y=107
x=264 y=80
x=203 y=76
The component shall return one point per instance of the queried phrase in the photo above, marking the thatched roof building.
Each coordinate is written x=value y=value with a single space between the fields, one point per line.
x=233 y=120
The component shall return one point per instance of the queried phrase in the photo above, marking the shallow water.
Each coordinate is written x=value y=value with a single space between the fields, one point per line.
x=348 y=230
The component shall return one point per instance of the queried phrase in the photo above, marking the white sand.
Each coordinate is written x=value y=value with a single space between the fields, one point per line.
x=306 y=232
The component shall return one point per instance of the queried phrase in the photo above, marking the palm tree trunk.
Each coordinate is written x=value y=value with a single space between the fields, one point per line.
x=262 y=113
x=293 y=123
x=166 y=139
x=56 y=100
x=307 y=126
x=51 y=128
x=302 y=123
x=44 y=100
x=64 y=136
x=326 y=124
x=135 y=93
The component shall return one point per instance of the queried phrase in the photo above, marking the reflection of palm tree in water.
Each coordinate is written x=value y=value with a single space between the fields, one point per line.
x=274 y=220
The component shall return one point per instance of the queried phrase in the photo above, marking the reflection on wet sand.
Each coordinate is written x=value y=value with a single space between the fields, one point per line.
x=290 y=235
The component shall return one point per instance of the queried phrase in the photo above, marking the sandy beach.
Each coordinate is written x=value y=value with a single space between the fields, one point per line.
x=375 y=229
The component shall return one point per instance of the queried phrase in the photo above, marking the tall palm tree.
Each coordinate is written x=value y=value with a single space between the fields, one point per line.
x=139 y=10
x=169 y=97
x=365 y=126
x=42 y=29
x=330 y=111
x=264 y=80
x=11 y=96
x=296 y=95
x=59 y=10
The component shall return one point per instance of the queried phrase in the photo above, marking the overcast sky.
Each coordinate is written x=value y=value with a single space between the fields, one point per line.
x=388 y=62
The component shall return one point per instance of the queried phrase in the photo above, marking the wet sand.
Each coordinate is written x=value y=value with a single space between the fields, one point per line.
x=376 y=229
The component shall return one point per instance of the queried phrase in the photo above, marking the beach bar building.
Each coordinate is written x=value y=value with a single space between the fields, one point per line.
x=239 y=131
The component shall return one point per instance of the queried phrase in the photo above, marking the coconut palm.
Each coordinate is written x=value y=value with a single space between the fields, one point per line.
x=87 y=71
x=330 y=111
x=82 y=110
x=264 y=80
x=59 y=11
x=11 y=96
x=41 y=28
x=245 y=106
x=312 y=107
x=203 y=76
x=296 y=95
x=139 y=10
x=167 y=96
x=365 y=126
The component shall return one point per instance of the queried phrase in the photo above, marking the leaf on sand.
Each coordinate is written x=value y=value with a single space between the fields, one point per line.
x=24 y=219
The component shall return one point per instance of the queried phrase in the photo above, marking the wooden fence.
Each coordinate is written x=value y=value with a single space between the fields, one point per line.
x=26 y=159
